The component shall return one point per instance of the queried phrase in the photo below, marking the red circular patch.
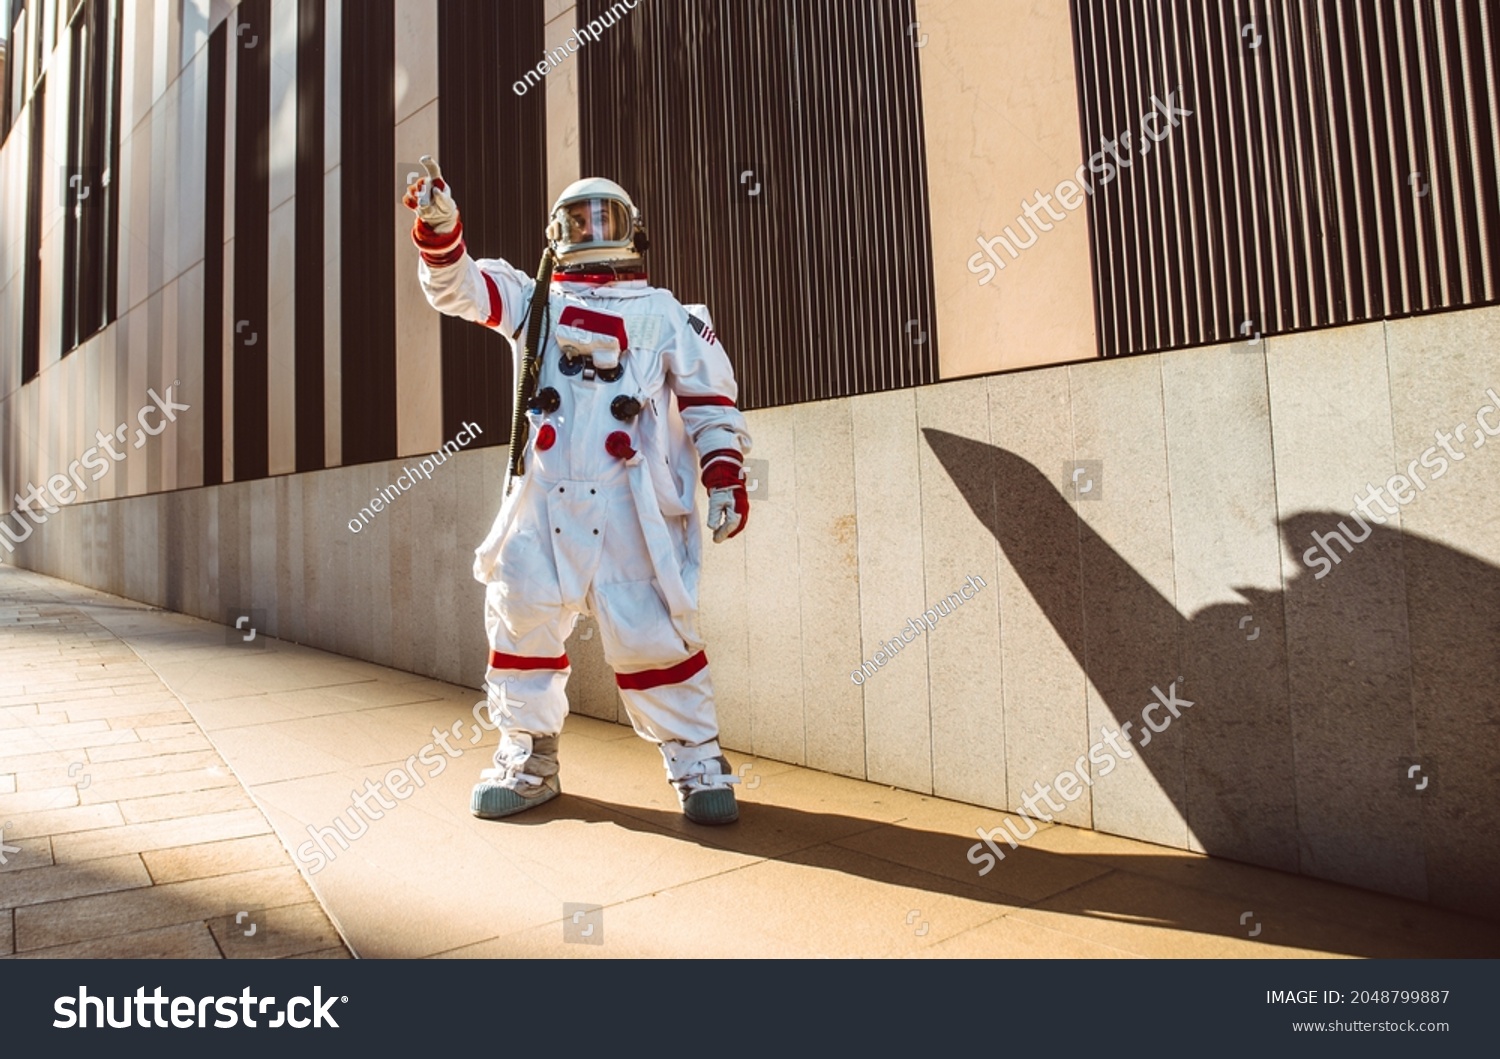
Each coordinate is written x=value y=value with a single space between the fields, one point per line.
x=618 y=445
x=545 y=438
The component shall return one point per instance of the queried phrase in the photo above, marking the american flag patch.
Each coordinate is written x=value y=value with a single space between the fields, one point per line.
x=709 y=336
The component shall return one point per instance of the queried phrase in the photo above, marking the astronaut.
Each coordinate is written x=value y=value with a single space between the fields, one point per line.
x=634 y=400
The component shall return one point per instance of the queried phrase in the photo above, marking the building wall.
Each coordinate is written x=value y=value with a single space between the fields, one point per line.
x=1000 y=106
x=1311 y=696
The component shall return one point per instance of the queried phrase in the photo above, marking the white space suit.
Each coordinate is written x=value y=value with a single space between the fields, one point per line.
x=632 y=394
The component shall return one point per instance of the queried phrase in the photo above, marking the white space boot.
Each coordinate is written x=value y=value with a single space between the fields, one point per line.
x=524 y=776
x=703 y=780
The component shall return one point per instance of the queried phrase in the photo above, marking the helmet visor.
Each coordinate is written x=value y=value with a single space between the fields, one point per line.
x=595 y=222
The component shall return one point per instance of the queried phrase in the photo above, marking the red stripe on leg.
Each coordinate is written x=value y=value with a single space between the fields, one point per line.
x=647 y=679
x=501 y=660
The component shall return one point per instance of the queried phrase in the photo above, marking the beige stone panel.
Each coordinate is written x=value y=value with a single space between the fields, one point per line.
x=143 y=573
x=419 y=365
x=333 y=85
x=408 y=577
x=828 y=552
x=166 y=447
x=258 y=524
x=564 y=145
x=1040 y=590
x=137 y=253
x=416 y=73
x=898 y=735
x=190 y=428
x=963 y=645
x=137 y=35
x=1227 y=570
x=333 y=398
x=195 y=28
x=1131 y=625
x=1445 y=371
x=138 y=346
x=291 y=610
x=461 y=656
x=283 y=130
x=1000 y=116
x=163 y=70
x=192 y=146
x=773 y=593
x=1348 y=644
x=166 y=200
x=231 y=93
x=281 y=338
x=106 y=418
x=369 y=635
x=724 y=621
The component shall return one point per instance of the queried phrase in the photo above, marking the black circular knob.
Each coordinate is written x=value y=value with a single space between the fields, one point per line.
x=546 y=400
x=625 y=408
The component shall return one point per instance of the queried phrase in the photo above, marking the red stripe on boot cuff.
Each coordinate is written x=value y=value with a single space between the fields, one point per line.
x=501 y=660
x=647 y=679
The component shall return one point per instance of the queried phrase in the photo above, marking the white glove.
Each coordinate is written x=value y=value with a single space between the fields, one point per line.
x=432 y=199
x=727 y=511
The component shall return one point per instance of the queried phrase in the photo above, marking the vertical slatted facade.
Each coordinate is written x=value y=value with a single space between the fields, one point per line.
x=308 y=310
x=213 y=257
x=367 y=144
x=493 y=149
x=252 y=195
x=1339 y=165
x=812 y=281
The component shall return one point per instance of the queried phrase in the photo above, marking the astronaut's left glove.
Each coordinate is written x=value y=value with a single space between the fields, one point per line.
x=728 y=502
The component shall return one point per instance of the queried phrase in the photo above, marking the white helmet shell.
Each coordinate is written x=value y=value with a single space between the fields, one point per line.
x=594 y=221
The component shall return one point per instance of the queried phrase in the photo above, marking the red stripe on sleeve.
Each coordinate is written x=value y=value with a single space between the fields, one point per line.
x=495 y=307
x=698 y=402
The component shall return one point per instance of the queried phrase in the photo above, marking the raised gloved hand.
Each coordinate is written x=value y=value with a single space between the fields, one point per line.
x=439 y=230
x=728 y=502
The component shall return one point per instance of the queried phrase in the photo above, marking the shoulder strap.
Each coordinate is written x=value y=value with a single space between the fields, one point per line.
x=526 y=380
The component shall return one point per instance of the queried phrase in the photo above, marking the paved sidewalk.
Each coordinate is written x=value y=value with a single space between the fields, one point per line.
x=122 y=832
x=818 y=865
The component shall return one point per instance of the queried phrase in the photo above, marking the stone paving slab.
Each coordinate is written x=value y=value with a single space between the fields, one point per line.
x=162 y=853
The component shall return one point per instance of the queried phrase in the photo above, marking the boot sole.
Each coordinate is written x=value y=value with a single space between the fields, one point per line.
x=491 y=802
x=711 y=807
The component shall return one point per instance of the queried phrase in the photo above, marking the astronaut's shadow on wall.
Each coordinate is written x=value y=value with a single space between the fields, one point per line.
x=1313 y=702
